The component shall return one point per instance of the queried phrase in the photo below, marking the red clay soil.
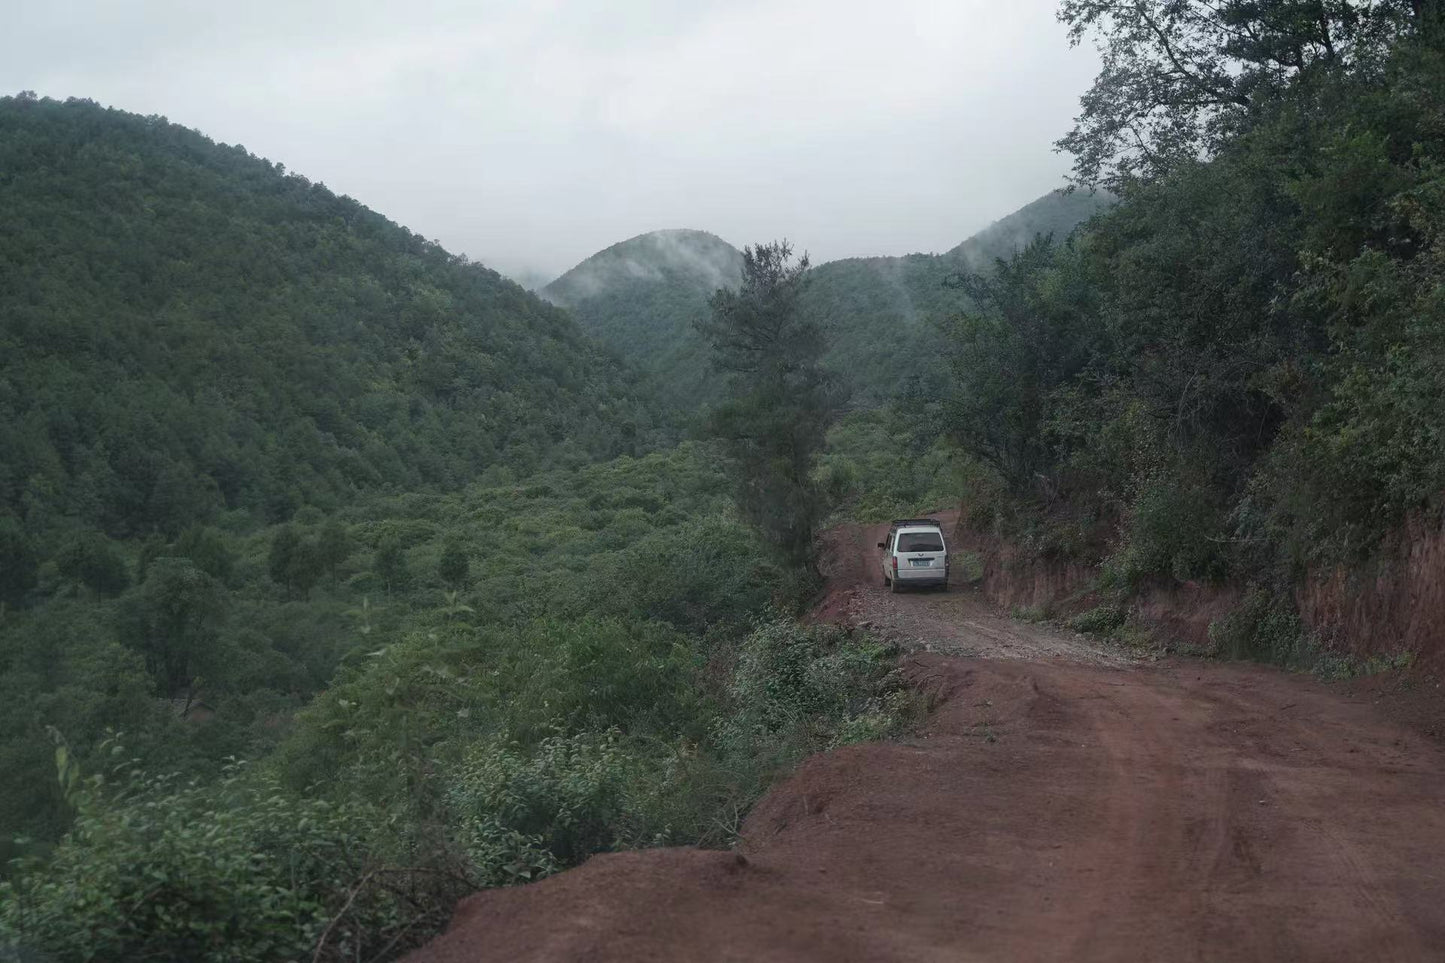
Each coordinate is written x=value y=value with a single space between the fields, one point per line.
x=1053 y=810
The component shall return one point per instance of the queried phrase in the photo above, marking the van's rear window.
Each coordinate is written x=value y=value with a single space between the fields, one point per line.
x=920 y=542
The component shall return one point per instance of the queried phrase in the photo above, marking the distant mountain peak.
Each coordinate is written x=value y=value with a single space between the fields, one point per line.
x=642 y=296
x=692 y=258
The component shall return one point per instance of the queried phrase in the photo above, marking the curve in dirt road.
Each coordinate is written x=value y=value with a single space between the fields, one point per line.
x=1061 y=805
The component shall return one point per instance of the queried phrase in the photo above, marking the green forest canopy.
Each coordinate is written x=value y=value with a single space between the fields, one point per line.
x=190 y=330
x=1236 y=374
x=642 y=297
x=275 y=476
x=533 y=645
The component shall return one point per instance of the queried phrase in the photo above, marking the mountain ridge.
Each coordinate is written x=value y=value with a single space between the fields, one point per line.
x=676 y=249
x=192 y=330
x=659 y=281
x=875 y=305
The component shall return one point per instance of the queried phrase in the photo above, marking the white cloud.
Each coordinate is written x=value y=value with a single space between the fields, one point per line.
x=530 y=134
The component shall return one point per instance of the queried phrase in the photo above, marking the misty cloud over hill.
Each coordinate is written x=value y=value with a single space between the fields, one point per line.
x=1054 y=214
x=642 y=296
x=697 y=258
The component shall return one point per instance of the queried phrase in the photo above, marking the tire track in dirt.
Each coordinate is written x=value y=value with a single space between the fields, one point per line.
x=1062 y=804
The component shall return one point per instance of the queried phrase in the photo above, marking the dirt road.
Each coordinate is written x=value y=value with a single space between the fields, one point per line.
x=1064 y=804
x=952 y=623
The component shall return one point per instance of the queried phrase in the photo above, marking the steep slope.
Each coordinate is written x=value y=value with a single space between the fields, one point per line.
x=642 y=296
x=189 y=329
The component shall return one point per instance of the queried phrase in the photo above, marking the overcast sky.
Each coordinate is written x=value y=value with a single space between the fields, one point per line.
x=530 y=134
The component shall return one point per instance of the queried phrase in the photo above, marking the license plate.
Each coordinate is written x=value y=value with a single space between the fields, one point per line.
x=922 y=562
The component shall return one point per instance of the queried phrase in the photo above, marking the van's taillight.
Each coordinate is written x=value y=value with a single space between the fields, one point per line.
x=895 y=565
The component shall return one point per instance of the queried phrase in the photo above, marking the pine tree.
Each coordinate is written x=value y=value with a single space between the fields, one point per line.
x=780 y=400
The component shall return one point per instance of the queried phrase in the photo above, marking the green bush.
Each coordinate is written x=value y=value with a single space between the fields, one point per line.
x=894 y=709
x=799 y=684
x=1264 y=627
x=454 y=566
x=706 y=574
x=60 y=667
x=1099 y=620
x=383 y=729
x=522 y=814
x=1032 y=613
x=1177 y=529
x=238 y=871
x=596 y=674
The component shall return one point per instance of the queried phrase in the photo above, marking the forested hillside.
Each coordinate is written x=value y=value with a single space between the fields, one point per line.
x=883 y=312
x=196 y=346
x=190 y=330
x=340 y=576
x=336 y=579
x=1236 y=375
x=1054 y=215
x=642 y=296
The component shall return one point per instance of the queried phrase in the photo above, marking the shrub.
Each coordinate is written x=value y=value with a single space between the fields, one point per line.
x=892 y=711
x=1031 y=613
x=706 y=574
x=417 y=704
x=240 y=871
x=799 y=684
x=454 y=567
x=1265 y=627
x=597 y=674
x=522 y=814
x=1099 y=620
x=1176 y=531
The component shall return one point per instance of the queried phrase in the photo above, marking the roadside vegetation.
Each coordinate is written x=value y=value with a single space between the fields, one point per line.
x=1235 y=374
x=339 y=577
x=301 y=725
x=611 y=663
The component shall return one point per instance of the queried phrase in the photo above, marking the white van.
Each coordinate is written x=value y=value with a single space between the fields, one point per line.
x=914 y=553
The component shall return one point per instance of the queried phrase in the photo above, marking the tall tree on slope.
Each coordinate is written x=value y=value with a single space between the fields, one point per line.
x=1179 y=77
x=780 y=400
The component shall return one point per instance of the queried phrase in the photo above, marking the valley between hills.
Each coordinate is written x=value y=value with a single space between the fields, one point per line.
x=357 y=602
